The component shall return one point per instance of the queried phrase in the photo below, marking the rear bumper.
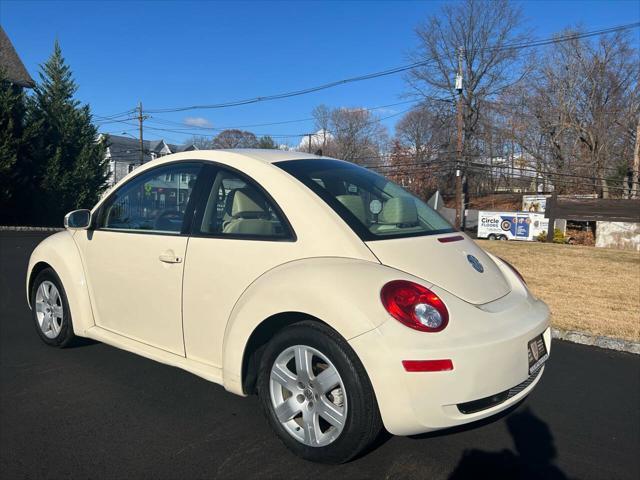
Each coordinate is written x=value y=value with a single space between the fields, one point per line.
x=490 y=364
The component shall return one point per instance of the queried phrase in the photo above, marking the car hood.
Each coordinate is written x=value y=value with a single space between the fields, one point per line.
x=446 y=261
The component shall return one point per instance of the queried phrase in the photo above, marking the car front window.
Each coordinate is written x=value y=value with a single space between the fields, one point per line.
x=155 y=201
x=375 y=207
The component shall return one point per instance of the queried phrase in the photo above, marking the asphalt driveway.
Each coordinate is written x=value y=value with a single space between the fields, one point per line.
x=97 y=412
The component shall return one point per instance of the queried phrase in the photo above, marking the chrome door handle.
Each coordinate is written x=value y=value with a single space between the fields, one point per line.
x=169 y=257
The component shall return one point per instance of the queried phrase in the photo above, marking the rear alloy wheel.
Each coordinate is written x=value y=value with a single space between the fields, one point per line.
x=316 y=395
x=50 y=310
x=308 y=396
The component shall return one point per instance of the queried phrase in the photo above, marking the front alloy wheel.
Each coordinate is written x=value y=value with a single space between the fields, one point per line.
x=50 y=310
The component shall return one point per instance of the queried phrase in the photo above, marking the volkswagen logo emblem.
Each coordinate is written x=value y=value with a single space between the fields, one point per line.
x=475 y=263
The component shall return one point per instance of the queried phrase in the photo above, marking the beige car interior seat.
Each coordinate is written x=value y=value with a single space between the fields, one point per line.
x=355 y=204
x=248 y=215
x=398 y=212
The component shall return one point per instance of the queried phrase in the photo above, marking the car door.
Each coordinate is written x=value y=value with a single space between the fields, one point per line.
x=238 y=233
x=134 y=257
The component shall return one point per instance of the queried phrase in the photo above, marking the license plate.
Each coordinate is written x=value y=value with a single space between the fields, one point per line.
x=537 y=351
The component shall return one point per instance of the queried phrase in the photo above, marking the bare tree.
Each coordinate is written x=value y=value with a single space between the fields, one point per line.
x=578 y=111
x=608 y=71
x=482 y=31
x=267 y=142
x=200 y=141
x=353 y=134
x=422 y=132
x=322 y=118
x=235 y=139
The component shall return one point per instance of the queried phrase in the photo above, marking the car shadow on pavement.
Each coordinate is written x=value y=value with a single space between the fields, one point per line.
x=80 y=342
x=533 y=459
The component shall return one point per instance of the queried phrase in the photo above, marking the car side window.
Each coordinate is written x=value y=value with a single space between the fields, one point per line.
x=236 y=207
x=155 y=201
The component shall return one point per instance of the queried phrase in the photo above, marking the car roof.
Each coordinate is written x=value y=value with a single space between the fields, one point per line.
x=264 y=155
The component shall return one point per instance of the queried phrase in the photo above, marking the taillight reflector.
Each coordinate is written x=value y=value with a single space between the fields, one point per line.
x=427 y=365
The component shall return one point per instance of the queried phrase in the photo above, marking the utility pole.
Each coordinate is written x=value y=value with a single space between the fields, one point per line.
x=309 y=135
x=459 y=207
x=636 y=165
x=141 y=119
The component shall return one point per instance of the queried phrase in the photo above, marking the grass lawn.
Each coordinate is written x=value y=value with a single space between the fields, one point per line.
x=588 y=289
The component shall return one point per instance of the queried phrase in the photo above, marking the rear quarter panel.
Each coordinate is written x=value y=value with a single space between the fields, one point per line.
x=344 y=293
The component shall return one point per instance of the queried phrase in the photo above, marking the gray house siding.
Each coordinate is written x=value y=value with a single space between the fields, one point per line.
x=123 y=154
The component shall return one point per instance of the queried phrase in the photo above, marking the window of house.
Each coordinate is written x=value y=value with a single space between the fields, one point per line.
x=147 y=203
x=238 y=208
x=131 y=167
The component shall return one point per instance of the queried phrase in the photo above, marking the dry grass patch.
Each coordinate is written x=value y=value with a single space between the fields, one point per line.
x=588 y=289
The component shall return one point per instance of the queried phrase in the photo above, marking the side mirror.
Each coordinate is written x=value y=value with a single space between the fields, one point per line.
x=78 y=220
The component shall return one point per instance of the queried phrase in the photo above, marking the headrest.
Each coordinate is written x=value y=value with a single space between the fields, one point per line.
x=355 y=204
x=398 y=210
x=246 y=203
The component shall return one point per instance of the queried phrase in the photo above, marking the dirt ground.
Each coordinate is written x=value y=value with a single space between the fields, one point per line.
x=588 y=289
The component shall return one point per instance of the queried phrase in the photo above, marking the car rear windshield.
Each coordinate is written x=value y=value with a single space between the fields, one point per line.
x=373 y=206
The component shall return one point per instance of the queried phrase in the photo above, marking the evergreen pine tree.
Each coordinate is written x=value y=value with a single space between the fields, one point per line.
x=12 y=112
x=70 y=166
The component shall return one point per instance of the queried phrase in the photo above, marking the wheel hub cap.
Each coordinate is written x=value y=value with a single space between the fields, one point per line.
x=49 y=311
x=308 y=396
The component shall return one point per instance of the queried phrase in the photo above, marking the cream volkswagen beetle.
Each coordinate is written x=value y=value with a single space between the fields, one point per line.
x=343 y=301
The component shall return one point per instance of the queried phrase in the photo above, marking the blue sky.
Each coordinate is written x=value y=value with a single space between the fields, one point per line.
x=171 y=54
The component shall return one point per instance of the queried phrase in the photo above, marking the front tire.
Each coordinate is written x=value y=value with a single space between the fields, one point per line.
x=50 y=310
x=316 y=394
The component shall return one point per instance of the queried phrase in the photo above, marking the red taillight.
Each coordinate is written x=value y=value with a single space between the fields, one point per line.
x=513 y=269
x=427 y=365
x=415 y=306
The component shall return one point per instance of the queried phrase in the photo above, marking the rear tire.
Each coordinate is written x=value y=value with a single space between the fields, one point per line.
x=50 y=310
x=491 y=237
x=327 y=418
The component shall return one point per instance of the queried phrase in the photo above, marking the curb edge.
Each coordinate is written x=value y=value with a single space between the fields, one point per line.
x=584 y=338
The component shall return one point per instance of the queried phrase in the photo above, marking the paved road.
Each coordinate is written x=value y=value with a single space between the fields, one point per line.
x=98 y=412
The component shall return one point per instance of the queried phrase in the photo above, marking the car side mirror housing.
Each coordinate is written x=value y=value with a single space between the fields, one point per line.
x=78 y=220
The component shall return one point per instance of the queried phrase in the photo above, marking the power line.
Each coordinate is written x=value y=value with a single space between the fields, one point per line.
x=556 y=39
x=566 y=37
x=189 y=131
x=300 y=120
x=296 y=93
x=126 y=112
x=392 y=71
x=274 y=135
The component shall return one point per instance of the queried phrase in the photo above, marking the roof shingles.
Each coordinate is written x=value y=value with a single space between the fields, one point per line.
x=10 y=62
